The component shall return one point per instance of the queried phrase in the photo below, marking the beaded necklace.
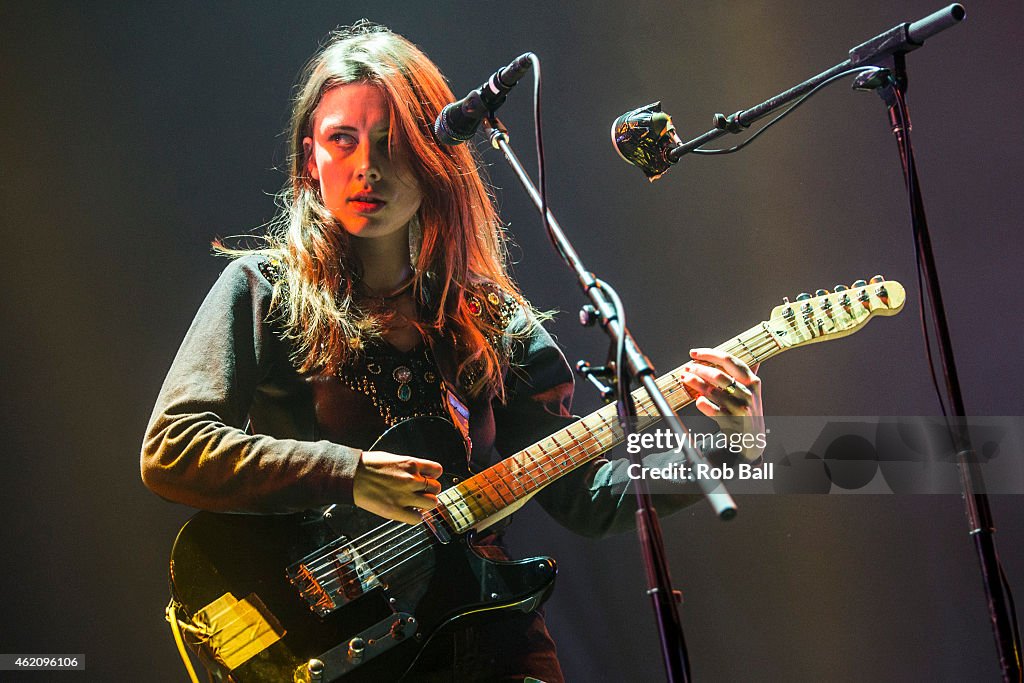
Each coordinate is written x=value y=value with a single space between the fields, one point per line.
x=401 y=385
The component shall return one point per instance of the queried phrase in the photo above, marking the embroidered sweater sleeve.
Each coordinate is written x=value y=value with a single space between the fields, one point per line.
x=196 y=450
x=596 y=499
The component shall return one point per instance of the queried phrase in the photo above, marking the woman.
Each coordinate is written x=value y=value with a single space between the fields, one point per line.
x=383 y=295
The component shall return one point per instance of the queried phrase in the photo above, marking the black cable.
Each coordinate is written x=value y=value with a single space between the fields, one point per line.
x=907 y=152
x=623 y=382
x=626 y=405
x=541 y=175
x=786 y=112
x=903 y=121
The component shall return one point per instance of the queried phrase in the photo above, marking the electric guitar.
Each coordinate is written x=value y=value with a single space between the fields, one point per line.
x=338 y=593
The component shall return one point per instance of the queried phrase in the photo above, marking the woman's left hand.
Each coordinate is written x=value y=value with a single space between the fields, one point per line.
x=726 y=388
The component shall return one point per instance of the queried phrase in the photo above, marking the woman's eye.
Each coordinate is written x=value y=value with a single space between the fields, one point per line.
x=342 y=139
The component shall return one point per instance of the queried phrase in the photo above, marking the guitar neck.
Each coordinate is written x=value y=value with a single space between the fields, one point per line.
x=488 y=494
x=500 y=489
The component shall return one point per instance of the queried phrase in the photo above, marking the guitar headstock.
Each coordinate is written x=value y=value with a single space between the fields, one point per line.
x=830 y=315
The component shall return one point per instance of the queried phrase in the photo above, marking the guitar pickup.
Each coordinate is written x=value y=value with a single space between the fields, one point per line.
x=332 y=576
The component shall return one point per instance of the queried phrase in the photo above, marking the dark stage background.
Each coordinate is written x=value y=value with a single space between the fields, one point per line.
x=134 y=134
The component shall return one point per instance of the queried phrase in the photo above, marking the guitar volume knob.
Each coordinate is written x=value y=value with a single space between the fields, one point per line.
x=356 y=648
x=398 y=629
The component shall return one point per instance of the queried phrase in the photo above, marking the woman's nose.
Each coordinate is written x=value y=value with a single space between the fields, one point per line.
x=369 y=165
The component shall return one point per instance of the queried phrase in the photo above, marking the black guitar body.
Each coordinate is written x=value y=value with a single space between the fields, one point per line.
x=240 y=580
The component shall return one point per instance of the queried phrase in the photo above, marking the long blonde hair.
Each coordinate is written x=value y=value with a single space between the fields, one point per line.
x=463 y=244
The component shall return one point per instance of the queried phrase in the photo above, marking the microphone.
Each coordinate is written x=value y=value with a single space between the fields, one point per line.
x=644 y=137
x=458 y=121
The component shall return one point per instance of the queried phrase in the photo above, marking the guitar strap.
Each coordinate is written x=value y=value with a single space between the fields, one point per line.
x=458 y=412
x=455 y=406
x=486 y=301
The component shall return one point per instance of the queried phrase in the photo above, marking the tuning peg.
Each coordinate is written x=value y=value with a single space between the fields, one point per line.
x=876 y=279
x=785 y=299
x=803 y=296
x=820 y=292
x=839 y=288
x=860 y=283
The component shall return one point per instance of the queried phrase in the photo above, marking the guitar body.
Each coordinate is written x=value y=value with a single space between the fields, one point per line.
x=235 y=577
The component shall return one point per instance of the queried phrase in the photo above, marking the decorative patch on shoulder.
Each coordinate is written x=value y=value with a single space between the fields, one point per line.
x=496 y=308
x=493 y=303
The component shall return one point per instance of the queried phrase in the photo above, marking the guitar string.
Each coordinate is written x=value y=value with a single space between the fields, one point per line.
x=579 y=444
x=396 y=528
x=394 y=554
x=395 y=558
x=364 y=549
x=395 y=551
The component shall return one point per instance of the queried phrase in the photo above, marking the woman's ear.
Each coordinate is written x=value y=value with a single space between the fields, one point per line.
x=307 y=153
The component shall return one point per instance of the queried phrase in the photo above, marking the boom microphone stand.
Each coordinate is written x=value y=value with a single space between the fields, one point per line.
x=979 y=515
x=645 y=138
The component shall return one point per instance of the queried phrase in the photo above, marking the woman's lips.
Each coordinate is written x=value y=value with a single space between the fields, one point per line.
x=366 y=205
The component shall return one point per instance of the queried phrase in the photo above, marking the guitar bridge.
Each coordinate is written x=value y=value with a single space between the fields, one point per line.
x=332 y=577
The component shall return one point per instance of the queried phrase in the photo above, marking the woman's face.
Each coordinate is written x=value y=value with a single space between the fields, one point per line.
x=369 y=192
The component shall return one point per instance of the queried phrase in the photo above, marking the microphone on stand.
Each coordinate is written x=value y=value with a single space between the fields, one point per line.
x=644 y=137
x=458 y=121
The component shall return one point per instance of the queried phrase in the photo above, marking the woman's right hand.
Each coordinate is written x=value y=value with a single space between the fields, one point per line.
x=396 y=486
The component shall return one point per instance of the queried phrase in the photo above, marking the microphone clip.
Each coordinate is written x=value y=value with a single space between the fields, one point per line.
x=730 y=124
x=601 y=376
